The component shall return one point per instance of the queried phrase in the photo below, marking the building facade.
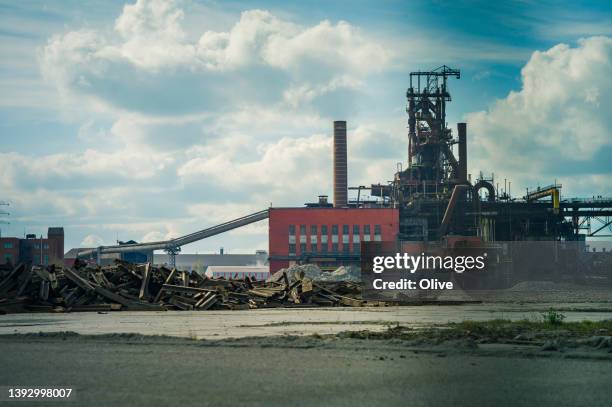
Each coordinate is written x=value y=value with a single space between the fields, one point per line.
x=33 y=249
x=329 y=237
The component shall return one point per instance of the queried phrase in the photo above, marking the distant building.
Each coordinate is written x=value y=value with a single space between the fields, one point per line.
x=201 y=262
x=33 y=249
x=71 y=256
x=238 y=272
x=328 y=237
x=136 y=257
x=109 y=258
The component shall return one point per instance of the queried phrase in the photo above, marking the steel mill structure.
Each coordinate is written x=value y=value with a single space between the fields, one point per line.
x=436 y=197
x=433 y=199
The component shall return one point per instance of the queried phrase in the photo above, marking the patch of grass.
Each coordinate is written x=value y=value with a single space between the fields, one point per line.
x=552 y=323
x=496 y=330
x=553 y=317
x=289 y=323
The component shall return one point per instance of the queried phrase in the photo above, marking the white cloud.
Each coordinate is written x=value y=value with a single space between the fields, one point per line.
x=154 y=236
x=229 y=112
x=18 y=169
x=150 y=65
x=289 y=165
x=559 y=120
x=92 y=241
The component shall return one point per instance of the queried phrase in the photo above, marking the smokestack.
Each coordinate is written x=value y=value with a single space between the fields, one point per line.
x=340 y=170
x=462 y=130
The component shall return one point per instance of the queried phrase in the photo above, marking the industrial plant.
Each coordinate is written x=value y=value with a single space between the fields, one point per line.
x=433 y=199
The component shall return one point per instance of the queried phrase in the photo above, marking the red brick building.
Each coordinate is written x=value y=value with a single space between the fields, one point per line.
x=33 y=249
x=327 y=236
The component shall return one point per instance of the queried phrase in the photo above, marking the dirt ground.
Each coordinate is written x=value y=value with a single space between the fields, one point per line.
x=283 y=321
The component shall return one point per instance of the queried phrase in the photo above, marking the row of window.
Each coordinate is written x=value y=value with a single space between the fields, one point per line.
x=315 y=248
x=334 y=229
x=9 y=245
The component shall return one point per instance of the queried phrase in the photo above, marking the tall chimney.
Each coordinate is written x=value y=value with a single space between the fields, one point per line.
x=462 y=130
x=340 y=170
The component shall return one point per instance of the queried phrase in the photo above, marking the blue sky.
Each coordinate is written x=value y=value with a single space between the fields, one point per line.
x=145 y=120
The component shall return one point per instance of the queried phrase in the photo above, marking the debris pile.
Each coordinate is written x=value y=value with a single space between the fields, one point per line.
x=126 y=286
x=313 y=272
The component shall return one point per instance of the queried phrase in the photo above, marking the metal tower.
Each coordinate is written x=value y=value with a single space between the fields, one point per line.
x=430 y=156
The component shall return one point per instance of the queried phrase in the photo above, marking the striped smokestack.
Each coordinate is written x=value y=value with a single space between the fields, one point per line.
x=340 y=170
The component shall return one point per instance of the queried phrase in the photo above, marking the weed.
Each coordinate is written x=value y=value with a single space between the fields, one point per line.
x=553 y=317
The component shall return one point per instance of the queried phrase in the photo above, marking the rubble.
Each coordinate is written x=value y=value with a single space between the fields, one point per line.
x=126 y=286
x=313 y=272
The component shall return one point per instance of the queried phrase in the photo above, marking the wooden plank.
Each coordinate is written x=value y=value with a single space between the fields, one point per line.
x=207 y=302
x=168 y=280
x=185 y=278
x=24 y=283
x=78 y=280
x=144 y=287
x=44 y=290
x=181 y=289
x=306 y=285
x=112 y=296
x=10 y=280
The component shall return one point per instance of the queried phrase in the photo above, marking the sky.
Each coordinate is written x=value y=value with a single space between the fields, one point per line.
x=150 y=119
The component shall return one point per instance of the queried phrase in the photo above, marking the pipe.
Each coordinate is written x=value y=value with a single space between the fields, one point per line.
x=458 y=190
x=179 y=241
x=462 y=131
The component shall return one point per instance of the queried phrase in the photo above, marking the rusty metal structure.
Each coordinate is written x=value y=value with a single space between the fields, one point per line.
x=437 y=198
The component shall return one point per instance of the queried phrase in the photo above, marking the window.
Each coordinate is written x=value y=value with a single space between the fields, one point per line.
x=334 y=229
x=8 y=245
x=355 y=229
x=345 y=239
x=346 y=248
x=302 y=248
x=45 y=246
x=335 y=247
x=291 y=248
x=291 y=234
x=377 y=229
x=345 y=229
x=8 y=258
x=356 y=247
x=366 y=229
x=323 y=229
x=46 y=259
x=37 y=246
x=313 y=239
x=313 y=230
x=324 y=247
x=302 y=229
x=313 y=247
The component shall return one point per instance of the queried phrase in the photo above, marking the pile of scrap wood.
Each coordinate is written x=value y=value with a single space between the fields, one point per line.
x=126 y=286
